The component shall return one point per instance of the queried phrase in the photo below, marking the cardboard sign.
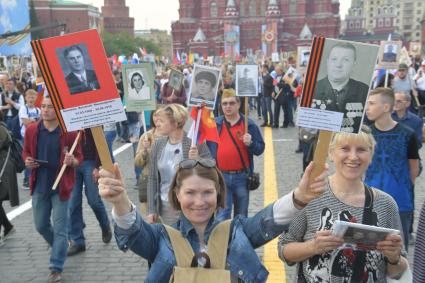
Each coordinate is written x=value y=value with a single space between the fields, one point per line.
x=415 y=49
x=79 y=80
x=337 y=83
x=139 y=94
x=204 y=86
x=389 y=54
x=246 y=80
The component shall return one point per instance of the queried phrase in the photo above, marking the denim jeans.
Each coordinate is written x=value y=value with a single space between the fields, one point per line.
x=267 y=110
x=76 y=225
x=237 y=194
x=406 y=219
x=44 y=206
x=110 y=137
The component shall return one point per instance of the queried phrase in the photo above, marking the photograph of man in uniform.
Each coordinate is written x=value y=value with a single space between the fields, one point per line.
x=305 y=56
x=3 y=66
x=246 y=85
x=205 y=83
x=137 y=90
x=337 y=91
x=390 y=53
x=80 y=78
x=176 y=79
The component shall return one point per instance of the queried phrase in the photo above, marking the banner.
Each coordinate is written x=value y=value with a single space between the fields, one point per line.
x=269 y=38
x=231 y=40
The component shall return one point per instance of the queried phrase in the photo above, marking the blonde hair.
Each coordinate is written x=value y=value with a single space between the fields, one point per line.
x=175 y=112
x=229 y=92
x=363 y=137
x=30 y=91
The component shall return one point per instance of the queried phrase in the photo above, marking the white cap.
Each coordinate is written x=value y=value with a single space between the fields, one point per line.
x=423 y=62
x=185 y=71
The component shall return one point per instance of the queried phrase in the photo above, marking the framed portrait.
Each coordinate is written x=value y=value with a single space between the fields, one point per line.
x=176 y=79
x=415 y=48
x=303 y=56
x=335 y=90
x=3 y=64
x=15 y=61
x=79 y=80
x=204 y=86
x=290 y=75
x=138 y=87
x=246 y=80
x=389 y=54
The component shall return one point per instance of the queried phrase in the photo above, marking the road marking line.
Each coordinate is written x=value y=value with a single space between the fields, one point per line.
x=283 y=140
x=272 y=262
x=26 y=206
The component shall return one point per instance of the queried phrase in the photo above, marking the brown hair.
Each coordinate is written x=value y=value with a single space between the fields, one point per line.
x=212 y=174
x=386 y=93
x=175 y=112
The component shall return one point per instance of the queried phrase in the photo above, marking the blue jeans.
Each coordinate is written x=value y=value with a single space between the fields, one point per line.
x=237 y=194
x=45 y=205
x=267 y=110
x=76 y=225
x=110 y=137
x=406 y=220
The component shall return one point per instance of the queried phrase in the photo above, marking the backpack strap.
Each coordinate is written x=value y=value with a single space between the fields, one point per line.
x=217 y=245
x=182 y=249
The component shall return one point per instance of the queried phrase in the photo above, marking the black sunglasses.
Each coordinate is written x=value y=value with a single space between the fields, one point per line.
x=191 y=163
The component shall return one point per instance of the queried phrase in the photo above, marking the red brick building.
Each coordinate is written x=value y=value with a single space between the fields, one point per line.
x=116 y=17
x=294 y=22
x=75 y=15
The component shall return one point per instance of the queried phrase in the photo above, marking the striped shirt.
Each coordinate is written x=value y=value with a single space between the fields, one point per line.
x=419 y=255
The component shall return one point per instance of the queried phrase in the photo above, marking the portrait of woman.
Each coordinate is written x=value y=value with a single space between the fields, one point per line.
x=137 y=88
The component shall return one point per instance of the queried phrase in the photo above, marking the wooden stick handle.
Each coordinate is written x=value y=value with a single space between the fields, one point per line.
x=59 y=177
x=321 y=153
x=102 y=148
x=246 y=114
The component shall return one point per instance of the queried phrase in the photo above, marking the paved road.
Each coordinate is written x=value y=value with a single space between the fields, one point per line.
x=24 y=257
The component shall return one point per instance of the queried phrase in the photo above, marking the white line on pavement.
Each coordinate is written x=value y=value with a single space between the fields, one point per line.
x=26 y=206
x=284 y=140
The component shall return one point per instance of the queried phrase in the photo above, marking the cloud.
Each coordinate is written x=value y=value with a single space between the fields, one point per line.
x=8 y=4
x=5 y=22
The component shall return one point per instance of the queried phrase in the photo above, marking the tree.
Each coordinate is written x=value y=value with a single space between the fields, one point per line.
x=34 y=22
x=124 y=43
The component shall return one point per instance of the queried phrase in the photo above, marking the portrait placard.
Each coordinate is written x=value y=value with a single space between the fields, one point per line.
x=246 y=80
x=336 y=89
x=415 y=48
x=303 y=56
x=290 y=75
x=389 y=54
x=138 y=87
x=204 y=86
x=3 y=64
x=176 y=79
x=79 y=80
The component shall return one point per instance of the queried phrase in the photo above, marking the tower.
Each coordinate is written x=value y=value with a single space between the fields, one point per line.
x=116 y=17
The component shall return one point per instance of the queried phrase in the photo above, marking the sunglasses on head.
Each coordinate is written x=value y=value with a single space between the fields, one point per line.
x=191 y=163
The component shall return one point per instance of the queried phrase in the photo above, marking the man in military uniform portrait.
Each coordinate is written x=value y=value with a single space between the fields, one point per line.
x=338 y=91
x=205 y=83
x=79 y=79
x=246 y=85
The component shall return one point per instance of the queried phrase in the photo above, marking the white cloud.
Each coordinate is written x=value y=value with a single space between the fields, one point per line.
x=8 y=4
x=5 y=22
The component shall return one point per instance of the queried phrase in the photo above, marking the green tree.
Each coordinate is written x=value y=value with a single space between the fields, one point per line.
x=34 y=22
x=124 y=43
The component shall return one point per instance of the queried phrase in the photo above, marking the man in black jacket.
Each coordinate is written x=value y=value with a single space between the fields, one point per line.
x=268 y=89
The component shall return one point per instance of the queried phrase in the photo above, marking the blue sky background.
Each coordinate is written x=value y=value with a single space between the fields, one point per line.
x=14 y=16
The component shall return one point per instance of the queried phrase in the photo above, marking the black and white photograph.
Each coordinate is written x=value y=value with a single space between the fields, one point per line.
x=77 y=68
x=246 y=80
x=204 y=86
x=344 y=79
x=137 y=87
x=303 y=56
x=3 y=64
x=176 y=79
x=389 y=54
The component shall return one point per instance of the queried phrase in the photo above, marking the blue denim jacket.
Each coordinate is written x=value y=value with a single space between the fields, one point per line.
x=256 y=148
x=151 y=242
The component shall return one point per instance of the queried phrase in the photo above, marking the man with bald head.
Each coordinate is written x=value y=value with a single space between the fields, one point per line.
x=338 y=91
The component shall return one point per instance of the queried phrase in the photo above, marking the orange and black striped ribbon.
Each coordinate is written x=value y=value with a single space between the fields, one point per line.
x=48 y=79
x=312 y=71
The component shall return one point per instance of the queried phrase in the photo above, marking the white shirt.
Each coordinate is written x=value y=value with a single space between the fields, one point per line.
x=16 y=105
x=27 y=113
x=420 y=80
x=82 y=77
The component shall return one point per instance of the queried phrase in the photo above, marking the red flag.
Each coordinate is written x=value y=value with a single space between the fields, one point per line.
x=40 y=92
x=207 y=126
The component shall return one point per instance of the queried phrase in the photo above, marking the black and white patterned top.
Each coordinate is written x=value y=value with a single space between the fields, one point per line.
x=337 y=266
x=419 y=254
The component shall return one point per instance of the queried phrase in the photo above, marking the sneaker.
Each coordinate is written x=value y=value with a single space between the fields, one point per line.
x=75 y=249
x=8 y=232
x=54 y=277
x=25 y=188
x=412 y=239
x=26 y=183
x=106 y=235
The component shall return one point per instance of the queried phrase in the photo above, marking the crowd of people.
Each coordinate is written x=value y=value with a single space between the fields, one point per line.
x=199 y=188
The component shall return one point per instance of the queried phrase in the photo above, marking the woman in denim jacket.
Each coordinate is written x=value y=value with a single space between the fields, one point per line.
x=198 y=190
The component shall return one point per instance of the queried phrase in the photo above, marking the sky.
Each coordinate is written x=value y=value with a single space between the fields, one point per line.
x=159 y=14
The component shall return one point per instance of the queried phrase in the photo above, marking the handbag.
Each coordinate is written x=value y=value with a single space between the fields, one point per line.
x=253 y=179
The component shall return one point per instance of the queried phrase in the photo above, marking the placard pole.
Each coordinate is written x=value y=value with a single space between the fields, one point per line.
x=102 y=148
x=386 y=78
x=321 y=153
x=198 y=120
x=59 y=177
x=246 y=113
x=144 y=122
